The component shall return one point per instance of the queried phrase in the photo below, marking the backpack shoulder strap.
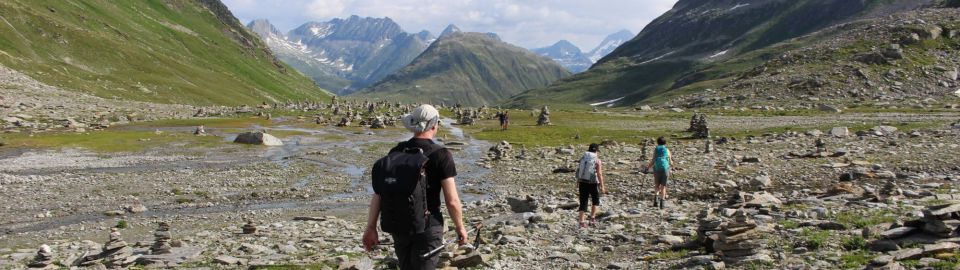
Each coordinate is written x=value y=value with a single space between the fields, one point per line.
x=432 y=149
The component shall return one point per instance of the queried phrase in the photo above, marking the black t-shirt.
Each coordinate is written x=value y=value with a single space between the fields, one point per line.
x=440 y=166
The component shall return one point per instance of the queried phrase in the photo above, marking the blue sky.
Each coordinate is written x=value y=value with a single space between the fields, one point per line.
x=527 y=23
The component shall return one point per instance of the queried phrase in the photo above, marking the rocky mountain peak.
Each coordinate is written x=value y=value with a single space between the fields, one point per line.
x=264 y=28
x=450 y=30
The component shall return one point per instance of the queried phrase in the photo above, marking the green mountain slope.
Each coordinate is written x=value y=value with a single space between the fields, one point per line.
x=178 y=51
x=659 y=60
x=468 y=68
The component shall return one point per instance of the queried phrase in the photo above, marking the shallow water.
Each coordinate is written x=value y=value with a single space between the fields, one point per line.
x=295 y=148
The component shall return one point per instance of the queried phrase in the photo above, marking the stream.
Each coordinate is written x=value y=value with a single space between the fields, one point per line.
x=466 y=150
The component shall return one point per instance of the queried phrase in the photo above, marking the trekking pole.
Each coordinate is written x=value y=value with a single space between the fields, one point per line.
x=445 y=243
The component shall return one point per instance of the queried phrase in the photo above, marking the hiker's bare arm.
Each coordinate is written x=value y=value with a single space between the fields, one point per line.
x=452 y=198
x=370 y=237
x=670 y=157
x=600 y=177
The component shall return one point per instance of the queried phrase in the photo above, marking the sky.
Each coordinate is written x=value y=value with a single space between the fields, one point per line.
x=526 y=23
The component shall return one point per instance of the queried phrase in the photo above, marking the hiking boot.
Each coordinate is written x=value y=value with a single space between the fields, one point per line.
x=583 y=225
x=662 y=201
x=593 y=222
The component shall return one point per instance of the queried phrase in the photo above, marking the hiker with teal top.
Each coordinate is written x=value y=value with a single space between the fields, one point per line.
x=661 y=170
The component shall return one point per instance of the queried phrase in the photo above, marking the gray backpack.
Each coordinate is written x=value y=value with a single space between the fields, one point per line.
x=587 y=170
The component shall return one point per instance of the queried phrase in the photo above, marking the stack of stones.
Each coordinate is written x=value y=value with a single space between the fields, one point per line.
x=116 y=253
x=466 y=120
x=741 y=241
x=344 y=122
x=891 y=190
x=250 y=227
x=161 y=244
x=544 y=118
x=643 y=151
x=698 y=125
x=942 y=220
x=377 y=123
x=709 y=229
x=501 y=151
x=936 y=230
x=44 y=258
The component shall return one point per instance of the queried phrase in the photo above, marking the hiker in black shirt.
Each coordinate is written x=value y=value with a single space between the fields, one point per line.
x=441 y=170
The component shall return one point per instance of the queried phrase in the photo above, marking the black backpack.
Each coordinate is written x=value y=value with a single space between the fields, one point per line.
x=401 y=180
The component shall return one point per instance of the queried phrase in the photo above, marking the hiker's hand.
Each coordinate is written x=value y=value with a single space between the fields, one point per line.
x=604 y=190
x=370 y=239
x=462 y=236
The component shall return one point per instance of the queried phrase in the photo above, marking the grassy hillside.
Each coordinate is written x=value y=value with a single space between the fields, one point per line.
x=721 y=38
x=178 y=51
x=468 y=68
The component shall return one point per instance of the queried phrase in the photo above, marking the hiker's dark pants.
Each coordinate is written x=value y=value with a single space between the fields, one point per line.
x=410 y=248
x=589 y=191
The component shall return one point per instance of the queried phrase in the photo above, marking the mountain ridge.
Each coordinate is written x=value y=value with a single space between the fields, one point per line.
x=466 y=68
x=656 y=61
x=346 y=54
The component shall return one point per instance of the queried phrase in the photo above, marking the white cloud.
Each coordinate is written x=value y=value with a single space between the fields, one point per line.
x=527 y=23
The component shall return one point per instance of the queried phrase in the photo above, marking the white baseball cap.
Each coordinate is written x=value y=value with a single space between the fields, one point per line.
x=421 y=119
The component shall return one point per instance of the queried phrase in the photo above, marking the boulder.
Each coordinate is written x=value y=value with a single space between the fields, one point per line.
x=258 y=138
x=517 y=205
x=839 y=132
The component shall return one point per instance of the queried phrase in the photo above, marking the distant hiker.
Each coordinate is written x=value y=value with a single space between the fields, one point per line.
x=504 y=120
x=662 y=159
x=590 y=183
x=407 y=184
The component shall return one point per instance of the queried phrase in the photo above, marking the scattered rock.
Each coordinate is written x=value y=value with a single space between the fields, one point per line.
x=258 y=138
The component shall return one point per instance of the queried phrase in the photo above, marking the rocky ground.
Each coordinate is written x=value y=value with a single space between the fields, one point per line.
x=831 y=198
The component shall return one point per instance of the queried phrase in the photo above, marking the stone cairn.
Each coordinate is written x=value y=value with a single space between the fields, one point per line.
x=377 y=123
x=709 y=229
x=501 y=151
x=466 y=120
x=200 y=131
x=44 y=258
x=116 y=253
x=698 y=125
x=820 y=145
x=544 y=118
x=250 y=227
x=707 y=146
x=740 y=241
x=344 y=122
x=644 y=157
x=161 y=244
x=939 y=224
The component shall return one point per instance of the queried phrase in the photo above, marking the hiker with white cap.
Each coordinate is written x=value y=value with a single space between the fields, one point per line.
x=407 y=184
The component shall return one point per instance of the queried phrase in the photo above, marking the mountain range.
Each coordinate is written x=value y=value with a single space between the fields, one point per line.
x=344 y=55
x=717 y=45
x=571 y=57
x=466 y=68
x=185 y=52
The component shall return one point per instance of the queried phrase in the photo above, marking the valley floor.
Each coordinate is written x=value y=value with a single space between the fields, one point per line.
x=308 y=198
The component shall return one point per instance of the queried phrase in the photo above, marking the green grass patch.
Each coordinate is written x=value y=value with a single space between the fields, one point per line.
x=106 y=141
x=238 y=122
x=853 y=243
x=318 y=266
x=863 y=219
x=670 y=255
x=813 y=238
x=856 y=260
x=790 y=224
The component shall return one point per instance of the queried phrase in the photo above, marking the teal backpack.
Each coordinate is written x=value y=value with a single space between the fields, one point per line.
x=660 y=160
